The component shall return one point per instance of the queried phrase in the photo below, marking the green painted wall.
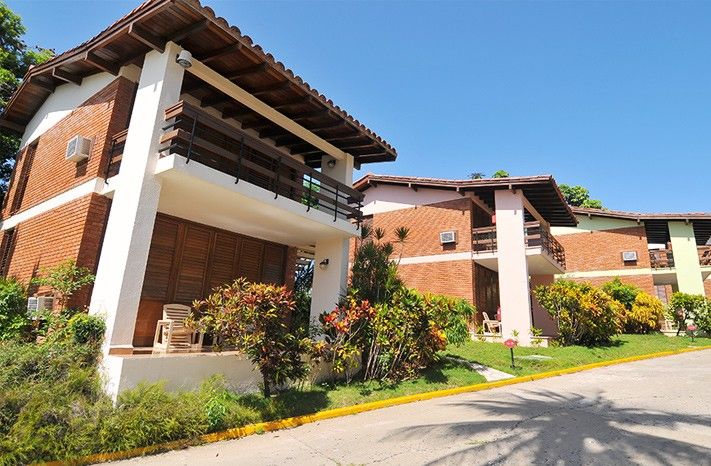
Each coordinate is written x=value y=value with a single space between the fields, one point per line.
x=686 y=258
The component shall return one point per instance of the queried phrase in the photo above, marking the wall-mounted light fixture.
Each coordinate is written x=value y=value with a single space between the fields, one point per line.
x=323 y=264
x=331 y=163
x=184 y=59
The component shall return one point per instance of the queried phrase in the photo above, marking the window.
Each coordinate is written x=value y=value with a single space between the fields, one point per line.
x=6 y=250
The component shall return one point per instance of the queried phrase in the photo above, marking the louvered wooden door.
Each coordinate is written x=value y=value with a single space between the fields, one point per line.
x=187 y=260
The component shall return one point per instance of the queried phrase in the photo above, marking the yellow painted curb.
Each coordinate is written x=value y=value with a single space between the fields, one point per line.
x=262 y=427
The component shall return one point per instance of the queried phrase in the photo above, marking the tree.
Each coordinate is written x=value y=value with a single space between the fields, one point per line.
x=500 y=174
x=579 y=196
x=476 y=175
x=15 y=59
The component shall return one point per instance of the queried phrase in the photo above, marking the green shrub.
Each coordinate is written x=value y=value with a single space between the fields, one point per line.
x=259 y=320
x=64 y=279
x=585 y=315
x=395 y=339
x=646 y=314
x=13 y=310
x=373 y=275
x=684 y=307
x=624 y=293
x=86 y=329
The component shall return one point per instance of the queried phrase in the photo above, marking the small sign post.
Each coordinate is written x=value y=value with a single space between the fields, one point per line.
x=511 y=344
x=692 y=330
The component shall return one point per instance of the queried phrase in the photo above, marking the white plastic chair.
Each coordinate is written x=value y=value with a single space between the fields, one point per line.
x=494 y=326
x=171 y=332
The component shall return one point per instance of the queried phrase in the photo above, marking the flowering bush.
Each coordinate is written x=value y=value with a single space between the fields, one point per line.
x=585 y=315
x=395 y=339
x=257 y=319
x=685 y=307
x=646 y=314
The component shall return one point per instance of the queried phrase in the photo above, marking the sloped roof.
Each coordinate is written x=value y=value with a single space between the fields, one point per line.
x=541 y=191
x=209 y=37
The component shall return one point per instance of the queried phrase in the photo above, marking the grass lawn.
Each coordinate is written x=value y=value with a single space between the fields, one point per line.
x=496 y=355
x=444 y=374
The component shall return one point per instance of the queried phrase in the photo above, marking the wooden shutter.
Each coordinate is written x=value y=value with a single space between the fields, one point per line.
x=224 y=252
x=273 y=264
x=193 y=264
x=7 y=248
x=250 y=260
x=23 y=178
x=156 y=282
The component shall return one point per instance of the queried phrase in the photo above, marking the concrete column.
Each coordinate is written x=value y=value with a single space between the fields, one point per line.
x=514 y=289
x=119 y=278
x=686 y=258
x=330 y=281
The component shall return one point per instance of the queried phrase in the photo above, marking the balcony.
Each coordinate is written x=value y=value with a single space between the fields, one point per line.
x=542 y=249
x=705 y=256
x=661 y=258
x=217 y=175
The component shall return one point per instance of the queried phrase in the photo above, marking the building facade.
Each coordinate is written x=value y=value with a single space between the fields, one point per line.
x=170 y=154
x=659 y=253
x=487 y=241
x=510 y=235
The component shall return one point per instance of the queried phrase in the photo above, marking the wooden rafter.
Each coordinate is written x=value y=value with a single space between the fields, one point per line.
x=189 y=30
x=220 y=52
x=43 y=82
x=249 y=70
x=100 y=63
x=146 y=37
x=66 y=76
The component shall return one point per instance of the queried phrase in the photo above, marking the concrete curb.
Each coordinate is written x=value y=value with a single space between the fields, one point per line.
x=290 y=422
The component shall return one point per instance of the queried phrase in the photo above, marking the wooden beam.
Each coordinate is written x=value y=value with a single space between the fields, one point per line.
x=256 y=124
x=280 y=86
x=307 y=115
x=189 y=30
x=146 y=37
x=271 y=132
x=300 y=100
x=214 y=99
x=12 y=126
x=41 y=82
x=234 y=112
x=220 y=52
x=66 y=76
x=286 y=140
x=249 y=70
x=331 y=125
x=100 y=63
x=247 y=99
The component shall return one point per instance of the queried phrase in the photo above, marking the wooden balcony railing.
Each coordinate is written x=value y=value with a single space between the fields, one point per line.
x=704 y=256
x=202 y=138
x=535 y=235
x=661 y=258
x=118 y=141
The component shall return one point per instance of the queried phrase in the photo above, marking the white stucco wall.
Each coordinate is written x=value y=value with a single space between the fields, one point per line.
x=388 y=198
x=587 y=225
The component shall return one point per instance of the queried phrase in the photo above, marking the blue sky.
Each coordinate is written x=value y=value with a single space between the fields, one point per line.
x=615 y=96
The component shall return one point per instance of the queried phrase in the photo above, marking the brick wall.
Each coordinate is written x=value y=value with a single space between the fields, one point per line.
x=644 y=282
x=99 y=118
x=72 y=231
x=707 y=287
x=452 y=278
x=602 y=250
x=425 y=223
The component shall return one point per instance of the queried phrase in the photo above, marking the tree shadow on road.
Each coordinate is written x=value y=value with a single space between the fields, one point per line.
x=544 y=427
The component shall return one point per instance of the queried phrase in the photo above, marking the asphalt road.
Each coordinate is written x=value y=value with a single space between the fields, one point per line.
x=650 y=412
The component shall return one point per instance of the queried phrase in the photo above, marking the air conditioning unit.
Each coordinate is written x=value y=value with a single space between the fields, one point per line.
x=629 y=256
x=448 y=237
x=40 y=303
x=78 y=149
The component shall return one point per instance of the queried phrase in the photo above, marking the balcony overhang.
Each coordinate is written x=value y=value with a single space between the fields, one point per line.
x=196 y=192
x=538 y=261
